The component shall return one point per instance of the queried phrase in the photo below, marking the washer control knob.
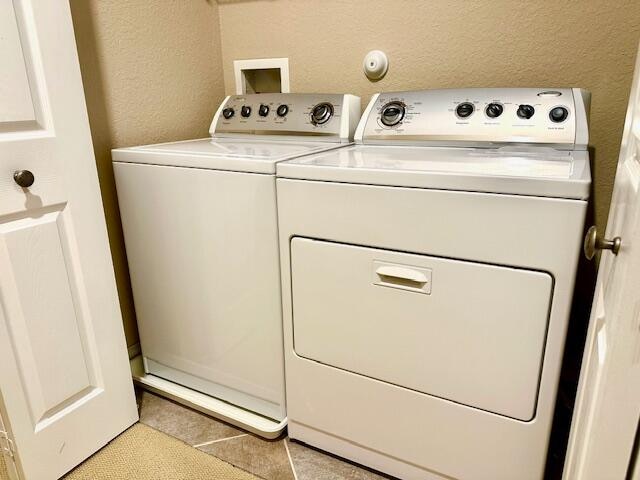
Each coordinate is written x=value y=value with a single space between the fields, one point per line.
x=228 y=113
x=494 y=110
x=558 y=114
x=321 y=113
x=245 y=111
x=392 y=113
x=282 y=110
x=263 y=110
x=525 y=111
x=464 y=109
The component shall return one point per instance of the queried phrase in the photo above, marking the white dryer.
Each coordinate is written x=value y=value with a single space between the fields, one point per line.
x=200 y=228
x=427 y=278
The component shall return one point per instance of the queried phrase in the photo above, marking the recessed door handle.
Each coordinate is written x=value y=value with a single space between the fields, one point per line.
x=592 y=243
x=401 y=273
x=24 y=178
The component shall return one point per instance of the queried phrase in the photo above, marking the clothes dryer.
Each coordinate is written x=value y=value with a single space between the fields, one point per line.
x=427 y=277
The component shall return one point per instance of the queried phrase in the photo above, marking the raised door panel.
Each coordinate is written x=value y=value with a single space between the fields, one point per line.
x=42 y=305
x=15 y=92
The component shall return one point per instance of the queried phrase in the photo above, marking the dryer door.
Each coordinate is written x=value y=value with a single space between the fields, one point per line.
x=466 y=332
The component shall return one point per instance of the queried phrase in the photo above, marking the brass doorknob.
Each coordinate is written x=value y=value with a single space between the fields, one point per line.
x=592 y=243
x=24 y=178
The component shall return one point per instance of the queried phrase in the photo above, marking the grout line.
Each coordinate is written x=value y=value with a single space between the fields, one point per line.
x=293 y=468
x=220 y=440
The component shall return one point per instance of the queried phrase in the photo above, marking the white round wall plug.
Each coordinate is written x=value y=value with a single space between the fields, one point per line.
x=375 y=64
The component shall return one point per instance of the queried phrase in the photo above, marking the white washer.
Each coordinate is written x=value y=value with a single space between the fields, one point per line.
x=427 y=280
x=200 y=227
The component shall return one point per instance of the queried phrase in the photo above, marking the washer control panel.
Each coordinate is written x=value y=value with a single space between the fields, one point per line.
x=478 y=117
x=297 y=114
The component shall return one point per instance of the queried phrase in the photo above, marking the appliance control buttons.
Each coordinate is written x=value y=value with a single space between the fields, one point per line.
x=245 y=111
x=464 y=109
x=321 y=113
x=558 y=114
x=392 y=113
x=525 y=111
x=282 y=110
x=228 y=113
x=263 y=110
x=494 y=110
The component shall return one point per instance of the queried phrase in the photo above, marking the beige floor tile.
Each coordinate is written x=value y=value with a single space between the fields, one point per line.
x=180 y=422
x=311 y=464
x=266 y=459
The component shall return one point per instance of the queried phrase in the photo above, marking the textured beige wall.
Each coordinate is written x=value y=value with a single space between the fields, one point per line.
x=451 y=43
x=152 y=72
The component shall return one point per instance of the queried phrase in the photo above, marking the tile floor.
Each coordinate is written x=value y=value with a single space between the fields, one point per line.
x=280 y=459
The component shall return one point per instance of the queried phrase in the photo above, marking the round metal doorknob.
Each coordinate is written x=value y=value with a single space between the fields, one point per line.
x=592 y=244
x=24 y=178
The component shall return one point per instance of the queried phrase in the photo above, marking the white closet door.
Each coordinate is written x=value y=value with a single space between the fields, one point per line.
x=605 y=419
x=65 y=386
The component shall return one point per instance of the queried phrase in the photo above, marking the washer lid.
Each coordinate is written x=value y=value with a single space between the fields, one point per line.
x=221 y=154
x=522 y=171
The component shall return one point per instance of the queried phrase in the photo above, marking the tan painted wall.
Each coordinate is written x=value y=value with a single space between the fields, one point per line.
x=451 y=43
x=152 y=69
x=152 y=72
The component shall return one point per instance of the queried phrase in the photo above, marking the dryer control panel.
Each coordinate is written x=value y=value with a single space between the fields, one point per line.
x=331 y=117
x=481 y=117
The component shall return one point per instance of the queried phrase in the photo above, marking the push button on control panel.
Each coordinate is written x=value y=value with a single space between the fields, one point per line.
x=228 y=113
x=558 y=114
x=245 y=111
x=465 y=109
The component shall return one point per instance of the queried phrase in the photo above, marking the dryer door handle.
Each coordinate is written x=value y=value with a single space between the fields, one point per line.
x=402 y=273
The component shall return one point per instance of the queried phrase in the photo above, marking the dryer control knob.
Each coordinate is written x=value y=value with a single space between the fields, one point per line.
x=465 y=109
x=321 y=113
x=263 y=110
x=525 y=111
x=228 y=113
x=392 y=113
x=494 y=110
x=245 y=111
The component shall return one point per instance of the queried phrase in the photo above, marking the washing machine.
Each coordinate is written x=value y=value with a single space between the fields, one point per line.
x=200 y=228
x=427 y=278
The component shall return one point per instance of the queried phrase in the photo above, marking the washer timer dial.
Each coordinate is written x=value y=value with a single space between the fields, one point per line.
x=321 y=113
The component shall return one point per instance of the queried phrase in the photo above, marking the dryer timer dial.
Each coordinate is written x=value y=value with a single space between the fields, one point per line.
x=392 y=113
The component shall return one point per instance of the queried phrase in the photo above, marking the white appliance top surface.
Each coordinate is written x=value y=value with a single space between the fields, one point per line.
x=521 y=171
x=233 y=154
